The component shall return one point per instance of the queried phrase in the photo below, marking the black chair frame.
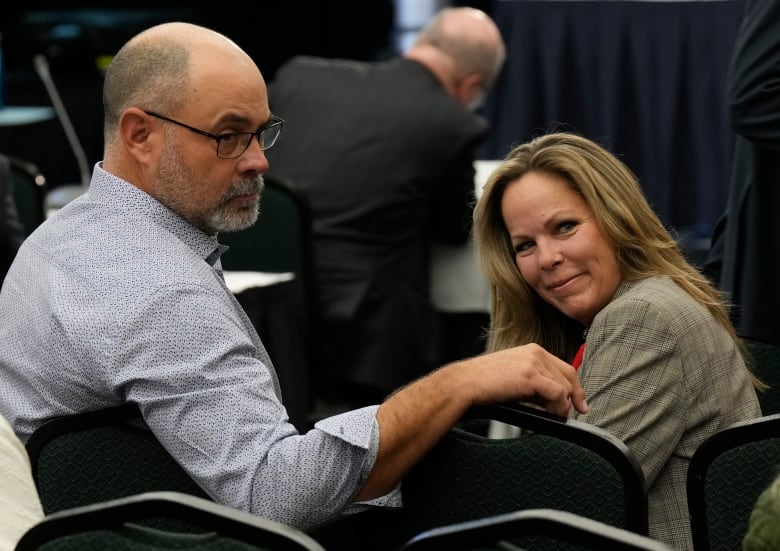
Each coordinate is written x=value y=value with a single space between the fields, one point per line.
x=557 y=525
x=204 y=514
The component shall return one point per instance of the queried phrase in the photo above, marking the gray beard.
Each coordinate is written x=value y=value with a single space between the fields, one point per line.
x=223 y=220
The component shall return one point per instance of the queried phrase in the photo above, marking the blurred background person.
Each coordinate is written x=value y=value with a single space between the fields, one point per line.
x=745 y=256
x=580 y=264
x=383 y=152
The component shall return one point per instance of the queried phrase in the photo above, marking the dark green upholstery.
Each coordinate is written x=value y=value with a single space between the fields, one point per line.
x=280 y=241
x=547 y=528
x=564 y=464
x=101 y=455
x=766 y=366
x=727 y=473
x=114 y=525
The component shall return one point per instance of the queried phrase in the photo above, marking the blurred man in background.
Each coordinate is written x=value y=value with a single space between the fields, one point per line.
x=383 y=152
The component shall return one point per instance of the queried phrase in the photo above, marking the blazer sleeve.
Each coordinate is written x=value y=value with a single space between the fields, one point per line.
x=633 y=377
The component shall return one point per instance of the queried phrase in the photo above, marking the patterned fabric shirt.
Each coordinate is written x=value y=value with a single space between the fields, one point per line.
x=116 y=298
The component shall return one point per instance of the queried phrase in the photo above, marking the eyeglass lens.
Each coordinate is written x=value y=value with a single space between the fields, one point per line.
x=235 y=145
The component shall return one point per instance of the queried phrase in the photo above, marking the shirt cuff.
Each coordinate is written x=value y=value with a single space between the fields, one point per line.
x=360 y=428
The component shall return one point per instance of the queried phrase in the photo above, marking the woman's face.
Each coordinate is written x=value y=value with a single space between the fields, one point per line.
x=559 y=249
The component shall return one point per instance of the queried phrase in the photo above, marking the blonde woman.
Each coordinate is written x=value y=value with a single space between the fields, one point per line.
x=579 y=263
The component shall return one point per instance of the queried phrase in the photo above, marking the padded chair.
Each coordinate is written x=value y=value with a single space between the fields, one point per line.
x=101 y=455
x=29 y=191
x=281 y=241
x=532 y=529
x=766 y=366
x=727 y=473
x=116 y=524
x=561 y=464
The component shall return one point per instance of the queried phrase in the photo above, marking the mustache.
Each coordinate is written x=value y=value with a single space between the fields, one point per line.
x=254 y=184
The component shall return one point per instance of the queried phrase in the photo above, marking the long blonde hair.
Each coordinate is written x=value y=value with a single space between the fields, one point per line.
x=643 y=245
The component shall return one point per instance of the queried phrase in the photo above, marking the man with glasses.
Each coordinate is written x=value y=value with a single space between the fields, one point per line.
x=119 y=297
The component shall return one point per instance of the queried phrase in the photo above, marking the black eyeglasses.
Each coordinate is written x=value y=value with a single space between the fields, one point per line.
x=233 y=144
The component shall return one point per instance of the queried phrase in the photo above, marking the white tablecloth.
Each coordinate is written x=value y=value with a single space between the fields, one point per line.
x=241 y=281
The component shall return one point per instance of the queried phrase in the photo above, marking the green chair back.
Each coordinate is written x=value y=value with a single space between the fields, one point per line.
x=99 y=456
x=280 y=241
x=557 y=464
x=727 y=473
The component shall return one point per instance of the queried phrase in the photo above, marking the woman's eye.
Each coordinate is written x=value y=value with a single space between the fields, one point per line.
x=567 y=226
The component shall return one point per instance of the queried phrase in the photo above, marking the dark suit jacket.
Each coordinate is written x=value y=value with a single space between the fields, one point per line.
x=384 y=157
x=745 y=254
x=11 y=230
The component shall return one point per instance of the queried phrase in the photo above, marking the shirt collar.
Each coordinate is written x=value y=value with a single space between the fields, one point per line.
x=120 y=194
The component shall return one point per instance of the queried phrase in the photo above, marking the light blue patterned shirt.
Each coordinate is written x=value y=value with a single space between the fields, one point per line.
x=115 y=299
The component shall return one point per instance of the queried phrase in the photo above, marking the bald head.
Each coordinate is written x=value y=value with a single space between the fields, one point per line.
x=470 y=38
x=167 y=67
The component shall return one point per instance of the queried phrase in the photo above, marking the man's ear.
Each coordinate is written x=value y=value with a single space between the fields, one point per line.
x=139 y=136
x=471 y=89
